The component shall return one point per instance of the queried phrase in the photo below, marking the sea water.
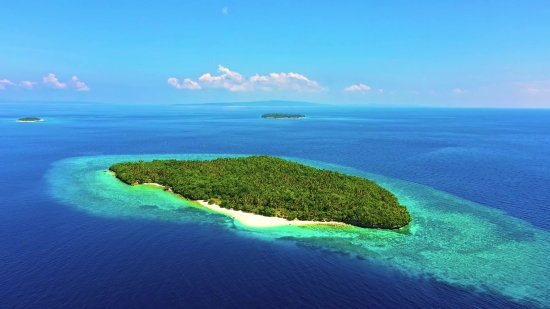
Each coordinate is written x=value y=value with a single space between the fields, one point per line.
x=71 y=235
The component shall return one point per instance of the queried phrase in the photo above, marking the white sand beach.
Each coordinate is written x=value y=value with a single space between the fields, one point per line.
x=254 y=220
x=150 y=183
x=249 y=219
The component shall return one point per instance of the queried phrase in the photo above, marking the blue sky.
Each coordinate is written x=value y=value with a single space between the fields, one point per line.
x=433 y=53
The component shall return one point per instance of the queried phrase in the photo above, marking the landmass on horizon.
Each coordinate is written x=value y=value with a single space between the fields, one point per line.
x=272 y=187
x=283 y=116
x=262 y=103
x=29 y=119
x=266 y=103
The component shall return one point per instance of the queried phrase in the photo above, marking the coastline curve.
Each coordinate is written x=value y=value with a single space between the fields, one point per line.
x=450 y=239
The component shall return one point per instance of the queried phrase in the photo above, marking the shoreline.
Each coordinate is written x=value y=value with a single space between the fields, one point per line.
x=247 y=218
x=255 y=220
x=146 y=183
x=41 y=120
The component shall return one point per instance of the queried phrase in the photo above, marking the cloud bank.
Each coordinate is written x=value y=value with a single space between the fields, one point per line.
x=354 y=88
x=235 y=82
x=50 y=80
x=535 y=88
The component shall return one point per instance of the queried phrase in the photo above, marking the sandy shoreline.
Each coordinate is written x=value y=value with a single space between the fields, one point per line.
x=254 y=220
x=250 y=219
x=30 y=121
x=149 y=183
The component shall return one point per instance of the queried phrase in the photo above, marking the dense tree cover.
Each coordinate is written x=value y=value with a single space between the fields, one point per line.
x=272 y=186
x=29 y=119
x=275 y=115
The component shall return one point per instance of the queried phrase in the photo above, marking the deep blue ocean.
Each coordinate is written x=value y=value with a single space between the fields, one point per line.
x=478 y=179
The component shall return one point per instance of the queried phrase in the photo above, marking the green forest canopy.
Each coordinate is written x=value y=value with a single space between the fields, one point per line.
x=278 y=115
x=29 y=119
x=273 y=186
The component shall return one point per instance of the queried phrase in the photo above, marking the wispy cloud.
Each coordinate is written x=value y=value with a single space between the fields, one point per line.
x=80 y=86
x=535 y=88
x=54 y=82
x=360 y=87
x=4 y=83
x=380 y=91
x=234 y=81
x=225 y=10
x=459 y=91
x=27 y=84
x=186 y=84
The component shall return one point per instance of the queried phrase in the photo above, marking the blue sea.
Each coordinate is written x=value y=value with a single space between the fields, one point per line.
x=476 y=182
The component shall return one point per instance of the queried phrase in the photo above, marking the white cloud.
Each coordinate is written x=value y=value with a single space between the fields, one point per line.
x=359 y=87
x=52 y=80
x=27 y=84
x=229 y=80
x=4 y=82
x=225 y=10
x=380 y=91
x=459 y=91
x=187 y=84
x=234 y=81
x=80 y=86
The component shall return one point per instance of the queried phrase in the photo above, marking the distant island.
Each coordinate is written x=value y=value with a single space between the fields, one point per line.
x=283 y=116
x=271 y=103
x=272 y=187
x=29 y=119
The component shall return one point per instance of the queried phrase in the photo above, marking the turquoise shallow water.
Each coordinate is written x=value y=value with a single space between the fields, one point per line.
x=72 y=237
x=450 y=239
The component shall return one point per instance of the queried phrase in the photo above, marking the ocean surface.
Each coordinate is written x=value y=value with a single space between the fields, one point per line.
x=476 y=181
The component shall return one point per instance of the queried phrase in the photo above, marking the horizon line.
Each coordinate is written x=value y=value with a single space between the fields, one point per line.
x=377 y=105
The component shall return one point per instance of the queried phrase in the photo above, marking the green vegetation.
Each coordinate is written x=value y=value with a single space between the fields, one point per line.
x=29 y=119
x=278 y=116
x=272 y=186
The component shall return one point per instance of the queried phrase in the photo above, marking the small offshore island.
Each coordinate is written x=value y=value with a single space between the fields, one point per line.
x=272 y=187
x=283 y=116
x=29 y=119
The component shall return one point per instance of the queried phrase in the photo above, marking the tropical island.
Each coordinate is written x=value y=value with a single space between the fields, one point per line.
x=272 y=187
x=282 y=116
x=29 y=119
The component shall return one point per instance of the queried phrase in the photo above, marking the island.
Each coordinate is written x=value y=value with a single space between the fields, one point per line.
x=283 y=116
x=29 y=119
x=272 y=187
